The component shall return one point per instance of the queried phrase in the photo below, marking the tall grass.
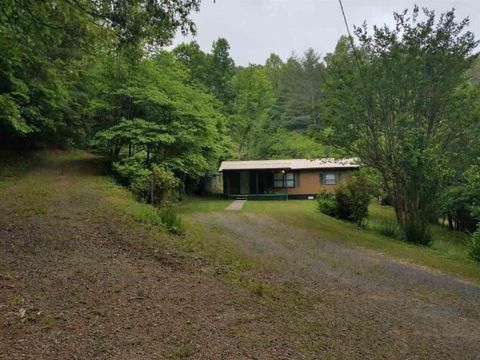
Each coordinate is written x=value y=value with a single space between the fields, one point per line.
x=474 y=246
x=389 y=228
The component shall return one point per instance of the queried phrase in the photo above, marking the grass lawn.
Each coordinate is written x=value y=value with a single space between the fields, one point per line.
x=447 y=252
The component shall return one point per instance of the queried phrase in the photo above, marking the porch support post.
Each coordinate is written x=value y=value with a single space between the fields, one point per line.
x=256 y=181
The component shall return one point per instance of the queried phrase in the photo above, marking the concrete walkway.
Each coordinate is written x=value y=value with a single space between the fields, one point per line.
x=236 y=205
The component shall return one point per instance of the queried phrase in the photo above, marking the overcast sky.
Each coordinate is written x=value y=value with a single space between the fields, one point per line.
x=256 y=28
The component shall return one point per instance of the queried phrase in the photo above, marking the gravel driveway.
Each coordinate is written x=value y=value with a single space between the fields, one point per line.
x=370 y=293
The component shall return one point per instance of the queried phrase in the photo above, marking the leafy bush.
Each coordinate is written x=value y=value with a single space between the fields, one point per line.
x=156 y=186
x=153 y=185
x=140 y=186
x=472 y=176
x=417 y=232
x=474 y=245
x=171 y=220
x=389 y=228
x=456 y=204
x=352 y=199
x=386 y=199
x=326 y=203
x=128 y=170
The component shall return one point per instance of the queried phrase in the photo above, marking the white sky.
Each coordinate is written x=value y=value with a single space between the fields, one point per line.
x=256 y=28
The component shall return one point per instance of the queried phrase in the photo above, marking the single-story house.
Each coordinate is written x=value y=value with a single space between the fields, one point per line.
x=296 y=178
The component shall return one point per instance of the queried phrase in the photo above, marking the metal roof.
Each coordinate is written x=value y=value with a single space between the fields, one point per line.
x=293 y=164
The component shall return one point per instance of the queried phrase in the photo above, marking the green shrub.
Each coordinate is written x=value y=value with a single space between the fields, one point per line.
x=474 y=245
x=417 y=232
x=344 y=202
x=326 y=203
x=130 y=169
x=386 y=199
x=352 y=199
x=389 y=228
x=171 y=220
x=153 y=185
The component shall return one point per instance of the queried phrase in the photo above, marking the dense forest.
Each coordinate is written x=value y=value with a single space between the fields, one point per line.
x=97 y=75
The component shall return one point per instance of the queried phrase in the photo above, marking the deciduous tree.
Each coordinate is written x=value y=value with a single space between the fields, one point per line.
x=398 y=110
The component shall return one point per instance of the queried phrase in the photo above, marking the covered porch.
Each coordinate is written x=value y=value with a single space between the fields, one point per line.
x=256 y=184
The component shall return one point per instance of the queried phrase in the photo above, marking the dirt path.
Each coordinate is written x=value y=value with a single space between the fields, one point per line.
x=79 y=279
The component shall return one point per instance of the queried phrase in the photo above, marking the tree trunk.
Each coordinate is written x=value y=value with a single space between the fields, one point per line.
x=152 y=192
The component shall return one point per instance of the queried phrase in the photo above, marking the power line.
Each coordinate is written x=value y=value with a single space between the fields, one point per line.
x=350 y=37
x=362 y=77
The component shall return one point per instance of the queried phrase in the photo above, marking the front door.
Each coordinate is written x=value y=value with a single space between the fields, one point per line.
x=244 y=182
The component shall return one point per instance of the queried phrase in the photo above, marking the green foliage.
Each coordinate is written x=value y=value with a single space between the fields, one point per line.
x=171 y=220
x=294 y=120
x=460 y=201
x=299 y=91
x=166 y=120
x=153 y=185
x=147 y=215
x=165 y=216
x=196 y=62
x=326 y=203
x=472 y=176
x=273 y=68
x=474 y=72
x=136 y=132
x=129 y=169
x=352 y=199
x=49 y=51
x=39 y=65
x=389 y=228
x=273 y=111
x=161 y=184
x=457 y=205
x=417 y=231
x=213 y=71
x=278 y=143
x=474 y=245
x=402 y=110
x=254 y=97
x=221 y=71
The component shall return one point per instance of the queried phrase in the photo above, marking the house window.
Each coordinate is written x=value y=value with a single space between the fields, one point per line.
x=329 y=178
x=278 y=180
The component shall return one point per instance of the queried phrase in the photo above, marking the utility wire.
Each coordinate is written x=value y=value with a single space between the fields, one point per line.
x=350 y=37
x=362 y=77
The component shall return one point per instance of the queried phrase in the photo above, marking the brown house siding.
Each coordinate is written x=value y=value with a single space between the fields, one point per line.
x=309 y=182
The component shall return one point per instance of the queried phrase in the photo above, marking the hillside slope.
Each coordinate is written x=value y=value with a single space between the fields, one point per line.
x=80 y=279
